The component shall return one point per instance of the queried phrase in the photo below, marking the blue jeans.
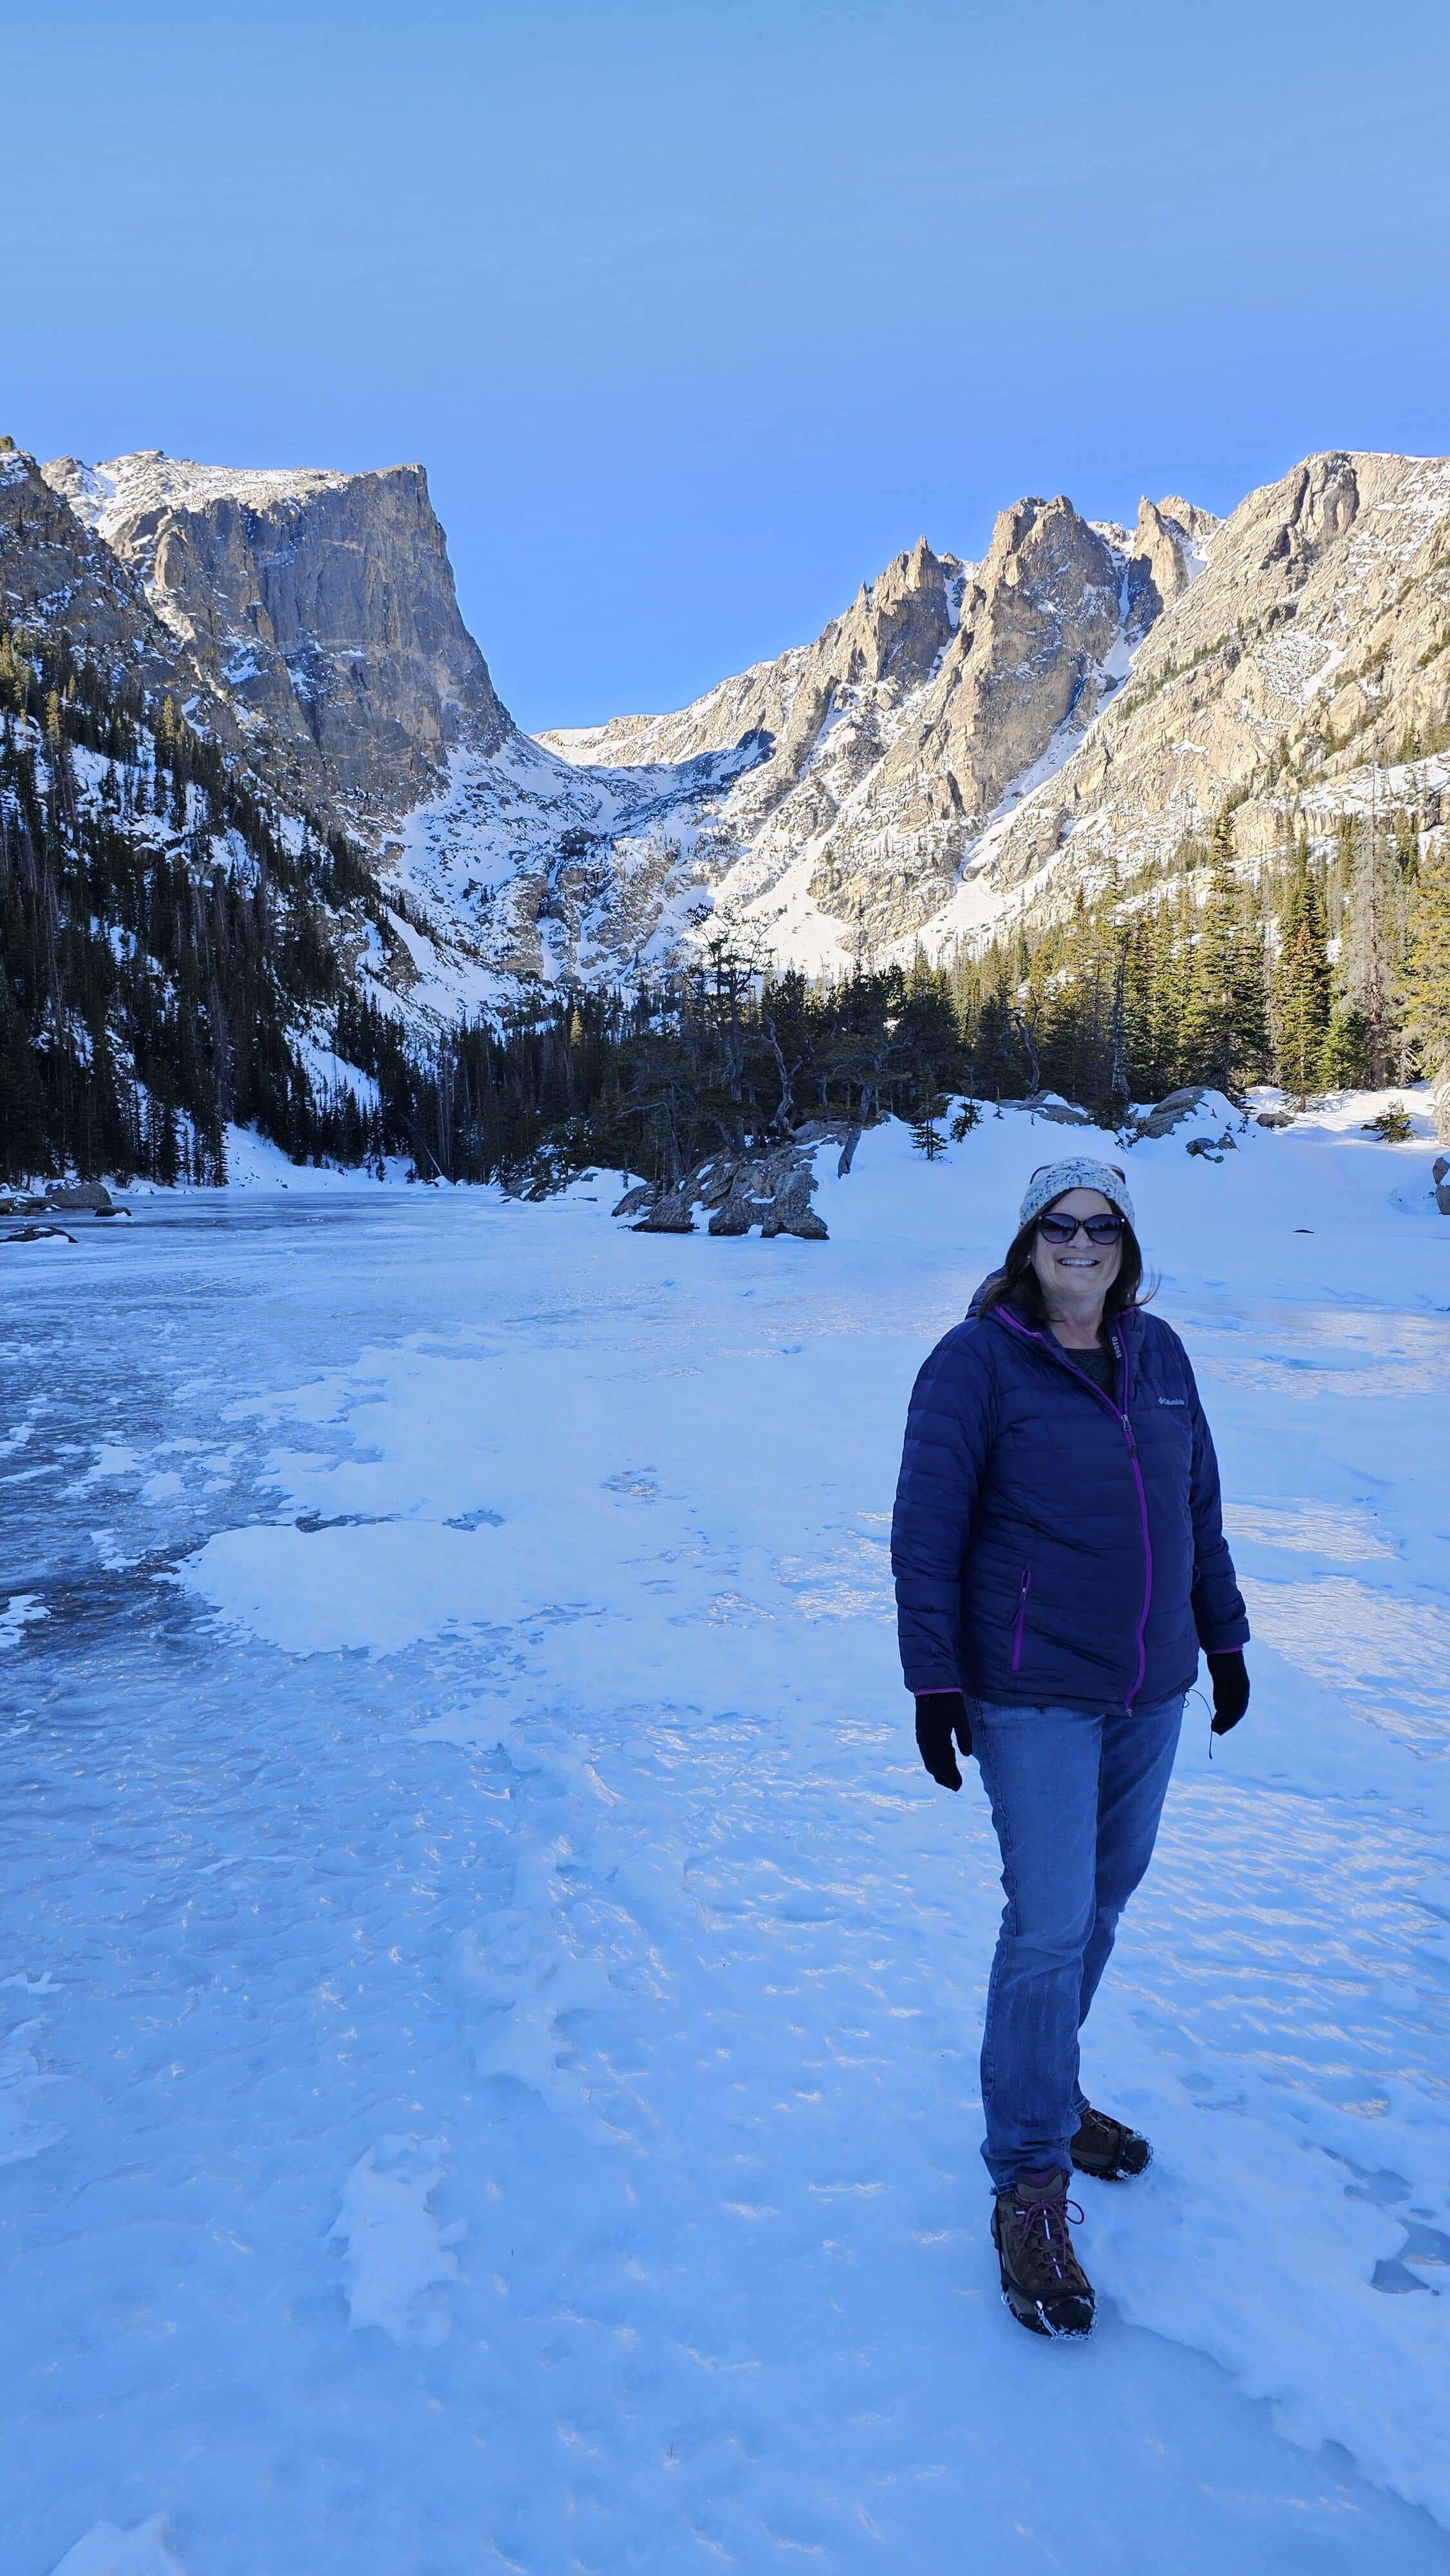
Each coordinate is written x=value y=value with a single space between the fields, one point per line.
x=1076 y=1797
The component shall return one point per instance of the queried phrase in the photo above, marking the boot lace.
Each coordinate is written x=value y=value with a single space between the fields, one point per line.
x=1039 y=2228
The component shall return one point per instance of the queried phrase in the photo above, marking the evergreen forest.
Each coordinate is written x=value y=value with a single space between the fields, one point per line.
x=174 y=959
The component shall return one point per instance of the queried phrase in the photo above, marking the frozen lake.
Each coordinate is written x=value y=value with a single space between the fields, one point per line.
x=489 y=2000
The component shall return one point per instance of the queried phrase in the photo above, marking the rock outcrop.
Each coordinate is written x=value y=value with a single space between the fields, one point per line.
x=965 y=742
x=308 y=621
x=1102 y=696
x=769 y=1186
x=321 y=606
x=912 y=720
x=57 y=576
x=1313 y=652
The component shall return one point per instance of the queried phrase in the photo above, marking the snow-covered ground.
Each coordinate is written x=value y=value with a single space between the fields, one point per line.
x=489 y=2000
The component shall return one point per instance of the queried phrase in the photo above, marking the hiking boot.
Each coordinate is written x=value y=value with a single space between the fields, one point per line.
x=1108 y=2148
x=1043 y=2282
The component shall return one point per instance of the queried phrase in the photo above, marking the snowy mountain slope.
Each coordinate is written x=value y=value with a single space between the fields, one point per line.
x=1293 y=661
x=523 y=867
x=913 y=718
x=964 y=740
x=1313 y=652
x=314 y=613
x=320 y=608
x=488 y=2034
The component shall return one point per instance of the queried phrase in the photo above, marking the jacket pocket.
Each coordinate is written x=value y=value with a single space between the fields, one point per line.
x=1020 y=1623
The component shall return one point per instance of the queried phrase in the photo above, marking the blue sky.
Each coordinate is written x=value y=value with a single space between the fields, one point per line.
x=696 y=313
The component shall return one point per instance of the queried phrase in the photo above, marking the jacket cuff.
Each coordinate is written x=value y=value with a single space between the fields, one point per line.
x=1226 y=1638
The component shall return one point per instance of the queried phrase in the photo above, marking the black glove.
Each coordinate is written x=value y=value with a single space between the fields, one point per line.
x=1230 y=1689
x=939 y=1715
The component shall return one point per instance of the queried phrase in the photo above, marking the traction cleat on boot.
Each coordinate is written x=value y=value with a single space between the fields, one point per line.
x=1108 y=2149
x=1043 y=2282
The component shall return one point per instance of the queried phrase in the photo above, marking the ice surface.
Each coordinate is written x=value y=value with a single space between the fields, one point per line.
x=106 y=2551
x=17 y=1614
x=489 y=2001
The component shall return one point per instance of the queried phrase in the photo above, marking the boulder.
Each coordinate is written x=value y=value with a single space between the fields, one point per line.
x=72 y=1198
x=716 y=1181
x=1059 y=1112
x=1052 y=1106
x=734 y=1217
x=789 y=1210
x=669 y=1215
x=771 y=1188
x=1171 y=1113
x=832 y=1131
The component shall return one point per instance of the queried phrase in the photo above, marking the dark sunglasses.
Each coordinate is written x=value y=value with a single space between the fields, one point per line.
x=1098 y=1229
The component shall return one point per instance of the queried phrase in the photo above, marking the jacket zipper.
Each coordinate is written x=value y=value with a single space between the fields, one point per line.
x=1023 y=1589
x=1121 y=1348
x=1143 y=1524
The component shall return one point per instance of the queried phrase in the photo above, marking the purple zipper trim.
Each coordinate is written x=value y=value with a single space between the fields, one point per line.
x=1023 y=1589
x=999 y=1315
x=1143 y=1523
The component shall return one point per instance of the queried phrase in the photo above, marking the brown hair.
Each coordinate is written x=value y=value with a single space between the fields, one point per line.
x=1017 y=1284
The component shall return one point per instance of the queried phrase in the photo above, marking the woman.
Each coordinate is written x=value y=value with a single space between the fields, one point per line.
x=1060 y=1559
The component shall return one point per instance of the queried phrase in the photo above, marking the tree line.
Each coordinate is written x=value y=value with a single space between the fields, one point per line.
x=172 y=960
x=1314 y=970
x=161 y=939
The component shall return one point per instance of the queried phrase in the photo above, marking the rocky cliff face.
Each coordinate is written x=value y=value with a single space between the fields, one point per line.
x=320 y=606
x=56 y=575
x=905 y=728
x=1099 y=695
x=963 y=740
x=308 y=620
x=1305 y=672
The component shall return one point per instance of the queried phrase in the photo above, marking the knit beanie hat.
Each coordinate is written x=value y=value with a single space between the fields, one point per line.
x=1050 y=1180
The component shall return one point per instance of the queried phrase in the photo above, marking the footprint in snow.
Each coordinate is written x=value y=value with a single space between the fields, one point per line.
x=395 y=2251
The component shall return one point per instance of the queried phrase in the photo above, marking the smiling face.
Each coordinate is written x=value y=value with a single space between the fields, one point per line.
x=1073 y=1274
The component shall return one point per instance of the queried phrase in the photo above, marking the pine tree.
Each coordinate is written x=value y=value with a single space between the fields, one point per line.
x=1301 y=984
x=1427 y=982
x=1210 y=1018
x=926 y=1133
x=1250 y=986
x=1347 y=1060
x=1370 y=957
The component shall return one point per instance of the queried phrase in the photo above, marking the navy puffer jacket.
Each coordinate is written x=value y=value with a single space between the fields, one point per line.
x=1052 y=1546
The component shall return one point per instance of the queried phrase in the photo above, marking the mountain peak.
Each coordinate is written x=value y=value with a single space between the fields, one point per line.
x=319 y=603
